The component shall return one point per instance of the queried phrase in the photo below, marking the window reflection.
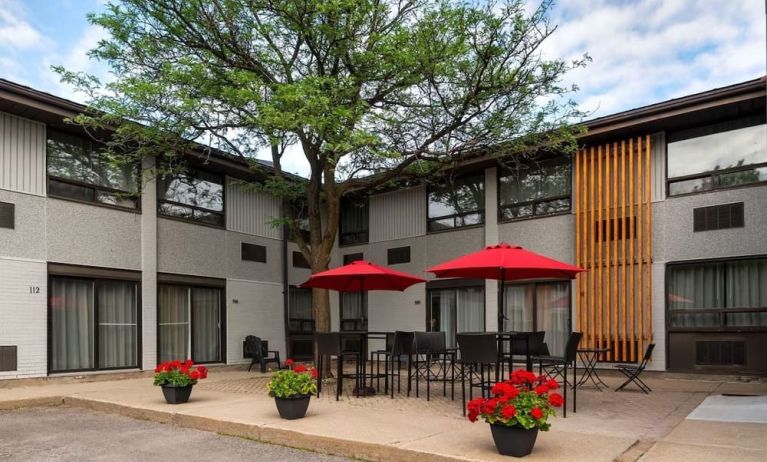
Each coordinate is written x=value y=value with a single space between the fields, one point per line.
x=535 y=189
x=192 y=194
x=457 y=202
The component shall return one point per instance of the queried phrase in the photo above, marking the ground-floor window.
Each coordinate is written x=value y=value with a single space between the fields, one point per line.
x=354 y=311
x=300 y=323
x=540 y=306
x=456 y=310
x=93 y=324
x=190 y=323
x=718 y=295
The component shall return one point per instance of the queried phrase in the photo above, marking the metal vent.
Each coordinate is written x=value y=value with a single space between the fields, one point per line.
x=720 y=353
x=350 y=257
x=253 y=252
x=8 y=358
x=7 y=215
x=718 y=217
x=398 y=255
x=299 y=261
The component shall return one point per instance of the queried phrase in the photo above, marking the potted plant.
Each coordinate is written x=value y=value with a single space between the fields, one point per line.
x=518 y=408
x=177 y=379
x=292 y=388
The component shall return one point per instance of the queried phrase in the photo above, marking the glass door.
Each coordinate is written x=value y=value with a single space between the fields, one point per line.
x=539 y=306
x=456 y=310
x=189 y=323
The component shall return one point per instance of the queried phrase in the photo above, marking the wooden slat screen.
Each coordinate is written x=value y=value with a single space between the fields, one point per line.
x=613 y=210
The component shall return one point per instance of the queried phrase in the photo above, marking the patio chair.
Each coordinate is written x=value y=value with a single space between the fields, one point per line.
x=518 y=347
x=376 y=356
x=430 y=351
x=633 y=372
x=403 y=345
x=557 y=366
x=477 y=352
x=329 y=344
x=259 y=353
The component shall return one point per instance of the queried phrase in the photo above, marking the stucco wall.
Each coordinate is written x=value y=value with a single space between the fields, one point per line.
x=27 y=239
x=84 y=234
x=237 y=268
x=551 y=236
x=188 y=248
x=253 y=308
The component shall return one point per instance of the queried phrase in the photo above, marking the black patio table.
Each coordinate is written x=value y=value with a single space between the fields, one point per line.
x=364 y=336
x=508 y=336
x=589 y=357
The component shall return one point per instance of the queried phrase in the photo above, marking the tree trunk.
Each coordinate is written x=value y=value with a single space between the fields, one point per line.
x=321 y=307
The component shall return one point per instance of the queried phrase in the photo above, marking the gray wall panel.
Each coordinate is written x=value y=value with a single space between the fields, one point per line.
x=187 y=248
x=658 y=167
x=398 y=214
x=251 y=212
x=551 y=236
x=22 y=155
x=271 y=271
x=27 y=239
x=92 y=235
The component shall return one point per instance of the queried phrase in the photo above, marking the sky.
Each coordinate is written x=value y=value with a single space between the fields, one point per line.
x=643 y=51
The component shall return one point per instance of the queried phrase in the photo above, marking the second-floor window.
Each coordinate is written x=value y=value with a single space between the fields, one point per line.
x=457 y=202
x=354 y=221
x=79 y=169
x=534 y=189
x=192 y=194
x=717 y=156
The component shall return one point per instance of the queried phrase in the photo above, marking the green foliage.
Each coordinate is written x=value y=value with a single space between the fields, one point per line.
x=288 y=383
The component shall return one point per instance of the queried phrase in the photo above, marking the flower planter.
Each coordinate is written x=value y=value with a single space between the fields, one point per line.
x=513 y=441
x=292 y=408
x=176 y=395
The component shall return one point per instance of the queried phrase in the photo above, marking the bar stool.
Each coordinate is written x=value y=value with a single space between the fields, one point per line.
x=477 y=352
x=329 y=344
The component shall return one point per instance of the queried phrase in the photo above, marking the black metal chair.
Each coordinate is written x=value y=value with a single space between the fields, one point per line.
x=259 y=353
x=477 y=352
x=376 y=356
x=329 y=344
x=518 y=346
x=403 y=345
x=431 y=351
x=557 y=366
x=632 y=372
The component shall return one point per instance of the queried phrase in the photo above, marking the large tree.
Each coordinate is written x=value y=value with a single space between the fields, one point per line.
x=369 y=90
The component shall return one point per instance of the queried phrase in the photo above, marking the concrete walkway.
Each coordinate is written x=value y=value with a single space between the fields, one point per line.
x=608 y=426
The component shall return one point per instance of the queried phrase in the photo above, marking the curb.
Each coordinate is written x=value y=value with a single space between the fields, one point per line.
x=261 y=433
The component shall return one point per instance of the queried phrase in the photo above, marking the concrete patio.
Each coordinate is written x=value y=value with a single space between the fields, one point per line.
x=623 y=426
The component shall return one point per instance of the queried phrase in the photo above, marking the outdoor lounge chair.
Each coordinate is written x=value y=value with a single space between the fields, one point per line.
x=258 y=352
x=633 y=372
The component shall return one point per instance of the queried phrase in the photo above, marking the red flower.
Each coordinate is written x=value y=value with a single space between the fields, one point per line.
x=508 y=411
x=523 y=377
x=489 y=406
x=536 y=413
x=203 y=371
x=315 y=374
x=552 y=384
x=473 y=416
x=541 y=389
x=475 y=405
x=194 y=375
x=299 y=369
x=556 y=400
x=288 y=362
x=188 y=363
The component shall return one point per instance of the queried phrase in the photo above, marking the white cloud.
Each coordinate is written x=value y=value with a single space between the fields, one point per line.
x=76 y=59
x=16 y=33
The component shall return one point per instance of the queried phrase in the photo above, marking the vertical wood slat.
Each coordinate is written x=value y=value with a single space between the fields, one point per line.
x=648 y=243
x=593 y=277
x=630 y=262
x=625 y=233
x=587 y=294
x=600 y=255
x=578 y=262
x=640 y=244
x=607 y=327
x=614 y=307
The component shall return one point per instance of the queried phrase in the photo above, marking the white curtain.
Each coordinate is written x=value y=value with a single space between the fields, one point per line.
x=553 y=314
x=117 y=310
x=443 y=307
x=457 y=310
x=173 y=322
x=72 y=317
x=300 y=306
x=206 y=317
x=352 y=307
x=518 y=307
x=746 y=287
x=694 y=288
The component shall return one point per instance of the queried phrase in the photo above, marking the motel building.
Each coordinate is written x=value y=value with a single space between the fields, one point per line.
x=664 y=205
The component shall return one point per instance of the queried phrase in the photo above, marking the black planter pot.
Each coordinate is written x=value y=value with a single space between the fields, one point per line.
x=513 y=441
x=176 y=395
x=293 y=407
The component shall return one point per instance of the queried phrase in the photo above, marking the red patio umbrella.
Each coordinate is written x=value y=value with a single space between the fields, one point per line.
x=361 y=276
x=505 y=263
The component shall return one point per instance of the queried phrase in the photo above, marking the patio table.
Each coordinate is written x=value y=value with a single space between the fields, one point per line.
x=364 y=336
x=589 y=357
x=507 y=336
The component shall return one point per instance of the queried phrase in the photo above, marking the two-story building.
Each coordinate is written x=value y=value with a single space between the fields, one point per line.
x=664 y=205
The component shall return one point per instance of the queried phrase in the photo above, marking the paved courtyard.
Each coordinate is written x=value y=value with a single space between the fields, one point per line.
x=608 y=426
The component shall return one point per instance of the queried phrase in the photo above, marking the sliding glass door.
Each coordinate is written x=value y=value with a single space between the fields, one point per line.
x=93 y=324
x=189 y=323
x=541 y=306
x=456 y=310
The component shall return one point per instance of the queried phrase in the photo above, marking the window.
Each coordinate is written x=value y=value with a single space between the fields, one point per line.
x=723 y=295
x=352 y=257
x=7 y=215
x=193 y=195
x=253 y=252
x=302 y=222
x=456 y=310
x=354 y=310
x=398 y=255
x=541 y=306
x=717 y=156
x=353 y=226
x=457 y=202
x=535 y=190
x=189 y=323
x=300 y=312
x=299 y=261
x=78 y=169
x=93 y=324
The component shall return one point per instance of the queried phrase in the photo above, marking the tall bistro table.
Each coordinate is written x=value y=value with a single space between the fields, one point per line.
x=505 y=338
x=361 y=387
x=589 y=357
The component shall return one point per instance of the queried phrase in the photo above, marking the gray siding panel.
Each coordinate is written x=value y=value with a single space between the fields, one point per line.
x=398 y=215
x=22 y=155
x=658 y=166
x=250 y=212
